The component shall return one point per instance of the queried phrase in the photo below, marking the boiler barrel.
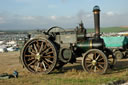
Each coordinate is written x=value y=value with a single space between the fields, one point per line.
x=92 y=43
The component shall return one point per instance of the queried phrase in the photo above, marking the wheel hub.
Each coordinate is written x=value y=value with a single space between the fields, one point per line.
x=37 y=56
x=94 y=62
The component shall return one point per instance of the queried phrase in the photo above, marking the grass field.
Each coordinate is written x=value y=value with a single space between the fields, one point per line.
x=110 y=29
x=69 y=75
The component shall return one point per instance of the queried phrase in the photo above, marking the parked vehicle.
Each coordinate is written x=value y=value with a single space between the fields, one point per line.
x=117 y=44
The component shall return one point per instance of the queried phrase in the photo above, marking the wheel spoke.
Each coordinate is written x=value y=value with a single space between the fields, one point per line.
x=91 y=68
x=101 y=63
x=101 y=66
x=37 y=66
x=31 y=59
x=37 y=44
x=101 y=59
x=47 y=56
x=49 y=53
x=44 y=66
x=46 y=62
x=95 y=69
x=35 y=48
x=49 y=60
x=89 y=65
x=94 y=56
x=46 y=50
x=32 y=62
x=33 y=53
x=98 y=57
x=31 y=50
x=41 y=47
x=45 y=46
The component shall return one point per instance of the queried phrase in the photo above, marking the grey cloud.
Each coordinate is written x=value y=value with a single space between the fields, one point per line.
x=114 y=20
x=38 y=22
x=35 y=22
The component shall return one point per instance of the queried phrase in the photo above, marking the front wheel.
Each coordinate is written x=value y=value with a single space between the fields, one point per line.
x=95 y=61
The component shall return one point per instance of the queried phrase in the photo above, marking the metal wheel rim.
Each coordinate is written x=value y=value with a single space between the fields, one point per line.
x=39 y=56
x=95 y=61
x=118 y=54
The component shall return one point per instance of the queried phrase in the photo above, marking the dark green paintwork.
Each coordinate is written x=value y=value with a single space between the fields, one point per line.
x=84 y=45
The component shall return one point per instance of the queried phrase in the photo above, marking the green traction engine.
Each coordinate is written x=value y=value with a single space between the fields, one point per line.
x=57 y=47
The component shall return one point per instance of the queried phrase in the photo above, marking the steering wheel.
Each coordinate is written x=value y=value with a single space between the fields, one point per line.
x=55 y=30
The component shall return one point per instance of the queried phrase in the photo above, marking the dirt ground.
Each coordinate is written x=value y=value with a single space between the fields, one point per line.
x=9 y=62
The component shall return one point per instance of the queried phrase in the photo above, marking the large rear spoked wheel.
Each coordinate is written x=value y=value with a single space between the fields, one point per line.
x=39 y=55
x=95 y=61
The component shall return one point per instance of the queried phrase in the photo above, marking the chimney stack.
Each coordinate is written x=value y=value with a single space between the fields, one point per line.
x=96 y=11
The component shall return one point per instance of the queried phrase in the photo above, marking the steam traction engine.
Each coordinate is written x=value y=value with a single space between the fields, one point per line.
x=57 y=47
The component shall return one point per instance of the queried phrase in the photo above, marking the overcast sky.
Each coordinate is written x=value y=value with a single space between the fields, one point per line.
x=38 y=14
